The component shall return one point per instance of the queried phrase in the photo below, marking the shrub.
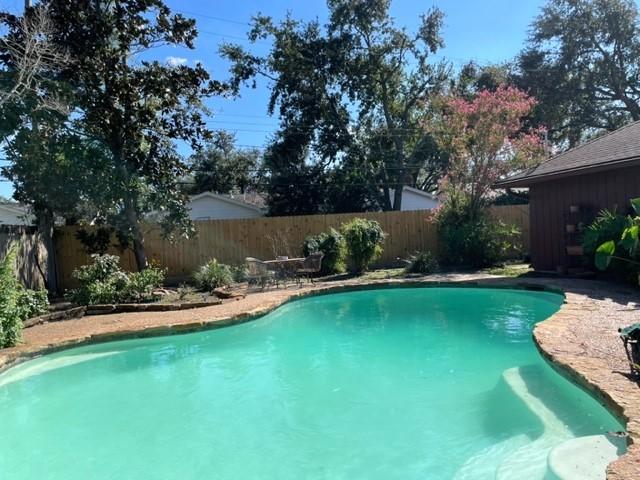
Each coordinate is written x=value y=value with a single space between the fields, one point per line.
x=332 y=244
x=16 y=302
x=32 y=302
x=608 y=225
x=140 y=285
x=212 y=275
x=422 y=262
x=616 y=240
x=364 y=239
x=239 y=273
x=103 y=281
x=473 y=240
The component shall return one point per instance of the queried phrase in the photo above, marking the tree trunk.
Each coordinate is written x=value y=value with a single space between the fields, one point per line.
x=134 y=227
x=46 y=227
x=397 y=196
x=138 y=241
x=131 y=213
x=140 y=254
x=386 y=198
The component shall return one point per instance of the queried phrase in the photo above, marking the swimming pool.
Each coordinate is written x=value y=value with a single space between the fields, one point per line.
x=377 y=384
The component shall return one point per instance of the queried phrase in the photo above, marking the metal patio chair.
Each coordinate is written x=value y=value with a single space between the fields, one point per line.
x=310 y=266
x=258 y=272
x=631 y=338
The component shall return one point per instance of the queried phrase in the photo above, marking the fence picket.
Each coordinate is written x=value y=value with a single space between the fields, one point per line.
x=230 y=241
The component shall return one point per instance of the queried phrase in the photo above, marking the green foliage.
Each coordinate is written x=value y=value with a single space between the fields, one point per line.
x=364 y=240
x=239 y=273
x=347 y=92
x=212 y=275
x=32 y=302
x=222 y=168
x=620 y=237
x=103 y=281
x=604 y=254
x=607 y=226
x=333 y=245
x=581 y=63
x=132 y=113
x=422 y=262
x=16 y=303
x=140 y=285
x=474 y=240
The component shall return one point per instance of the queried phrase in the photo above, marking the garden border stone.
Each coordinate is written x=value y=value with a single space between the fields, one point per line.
x=103 y=309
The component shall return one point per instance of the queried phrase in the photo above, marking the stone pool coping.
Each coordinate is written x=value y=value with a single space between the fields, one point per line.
x=555 y=337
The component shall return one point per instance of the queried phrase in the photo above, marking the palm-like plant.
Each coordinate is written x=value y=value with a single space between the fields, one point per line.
x=628 y=241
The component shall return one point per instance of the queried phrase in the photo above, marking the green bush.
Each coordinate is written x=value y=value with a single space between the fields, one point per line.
x=212 y=275
x=332 y=244
x=364 y=239
x=611 y=242
x=239 y=273
x=608 y=225
x=32 y=302
x=422 y=262
x=473 y=240
x=103 y=281
x=140 y=285
x=16 y=302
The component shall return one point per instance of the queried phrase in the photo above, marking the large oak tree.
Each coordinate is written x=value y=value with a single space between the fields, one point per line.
x=581 y=64
x=355 y=86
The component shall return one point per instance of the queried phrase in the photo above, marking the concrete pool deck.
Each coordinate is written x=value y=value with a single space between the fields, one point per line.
x=581 y=339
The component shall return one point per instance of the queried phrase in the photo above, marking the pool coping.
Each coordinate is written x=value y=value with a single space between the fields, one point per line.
x=590 y=374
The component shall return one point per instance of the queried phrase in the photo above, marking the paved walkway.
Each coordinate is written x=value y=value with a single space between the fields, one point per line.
x=581 y=339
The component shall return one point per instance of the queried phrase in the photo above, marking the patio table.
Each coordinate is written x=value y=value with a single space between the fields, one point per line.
x=286 y=267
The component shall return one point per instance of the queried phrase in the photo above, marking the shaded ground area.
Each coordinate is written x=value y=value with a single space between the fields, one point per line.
x=582 y=338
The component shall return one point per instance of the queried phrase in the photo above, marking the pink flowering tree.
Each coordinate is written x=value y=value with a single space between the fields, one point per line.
x=486 y=140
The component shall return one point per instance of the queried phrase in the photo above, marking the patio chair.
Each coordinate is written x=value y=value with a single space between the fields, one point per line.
x=310 y=266
x=631 y=338
x=258 y=271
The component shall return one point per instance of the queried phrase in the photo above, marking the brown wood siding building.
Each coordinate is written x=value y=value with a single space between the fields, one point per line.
x=552 y=199
x=601 y=173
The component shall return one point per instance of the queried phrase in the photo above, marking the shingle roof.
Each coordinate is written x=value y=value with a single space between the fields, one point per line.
x=614 y=149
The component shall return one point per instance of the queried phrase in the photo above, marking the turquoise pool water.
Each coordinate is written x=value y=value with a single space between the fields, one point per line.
x=410 y=383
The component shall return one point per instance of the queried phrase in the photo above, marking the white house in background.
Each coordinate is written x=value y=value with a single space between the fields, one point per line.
x=414 y=199
x=14 y=214
x=211 y=206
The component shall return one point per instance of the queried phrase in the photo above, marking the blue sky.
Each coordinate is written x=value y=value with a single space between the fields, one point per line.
x=488 y=31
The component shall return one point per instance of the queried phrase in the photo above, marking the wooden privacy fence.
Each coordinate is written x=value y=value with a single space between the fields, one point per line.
x=231 y=241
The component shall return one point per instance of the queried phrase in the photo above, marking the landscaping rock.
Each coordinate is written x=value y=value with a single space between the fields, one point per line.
x=56 y=316
x=229 y=292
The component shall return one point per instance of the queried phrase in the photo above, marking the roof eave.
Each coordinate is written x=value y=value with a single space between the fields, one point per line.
x=532 y=179
x=231 y=201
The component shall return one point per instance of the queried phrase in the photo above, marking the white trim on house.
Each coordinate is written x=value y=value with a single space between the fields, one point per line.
x=212 y=206
x=227 y=199
x=409 y=201
x=421 y=192
x=14 y=214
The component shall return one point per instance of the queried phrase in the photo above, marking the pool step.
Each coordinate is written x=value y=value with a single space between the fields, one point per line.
x=42 y=365
x=530 y=461
x=518 y=457
x=585 y=458
x=553 y=426
x=482 y=466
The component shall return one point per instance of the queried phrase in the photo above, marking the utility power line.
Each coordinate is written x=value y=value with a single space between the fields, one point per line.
x=211 y=17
